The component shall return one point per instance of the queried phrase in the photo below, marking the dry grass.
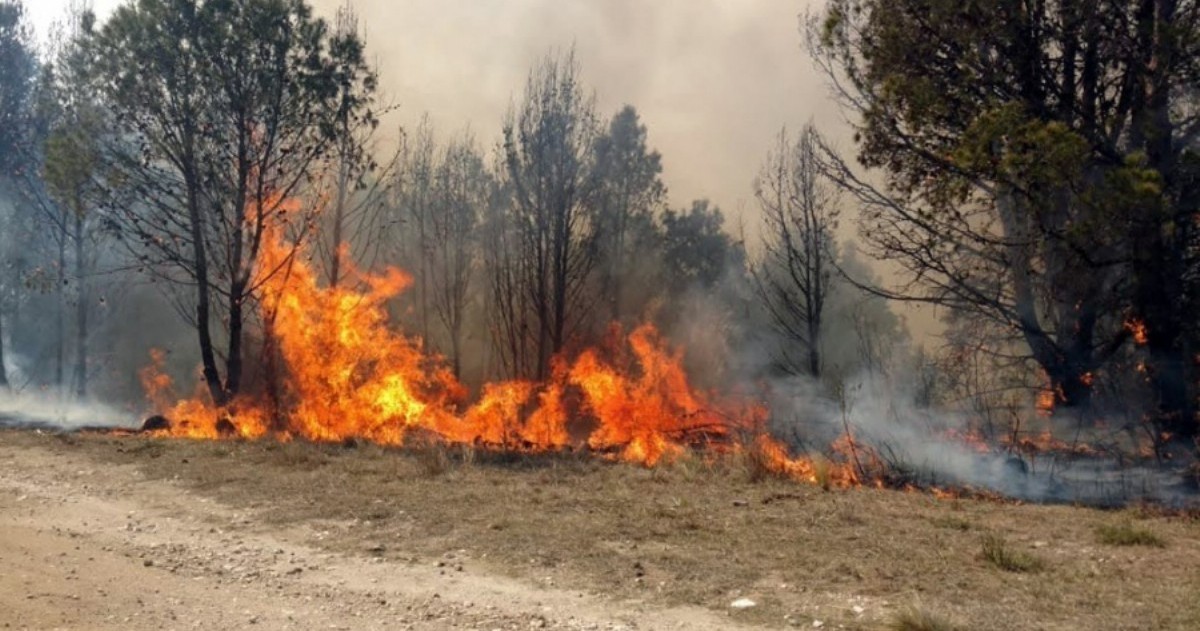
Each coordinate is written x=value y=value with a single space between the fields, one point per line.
x=1127 y=533
x=695 y=532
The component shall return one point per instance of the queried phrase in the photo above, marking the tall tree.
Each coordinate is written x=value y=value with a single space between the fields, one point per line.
x=1037 y=159
x=794 y=276
x=72 y=175
x=696 y=250
x=359 y=186
x=414 y=207
x=629 y=193
x=549 y=154
x=18 y=72
x=233 y=110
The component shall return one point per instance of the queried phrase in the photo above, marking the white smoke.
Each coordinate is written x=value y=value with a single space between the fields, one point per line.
x=914 y=441
x=44 y=410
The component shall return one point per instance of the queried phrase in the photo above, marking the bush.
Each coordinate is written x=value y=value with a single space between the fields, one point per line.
x=1127 y=534
x=917 y=619
x=997 y=552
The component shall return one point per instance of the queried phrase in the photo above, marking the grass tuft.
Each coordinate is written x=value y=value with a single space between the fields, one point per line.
x=997 y=552
x=918 y=619
x=1127 y=534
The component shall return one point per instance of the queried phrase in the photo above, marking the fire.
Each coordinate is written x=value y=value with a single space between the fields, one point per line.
x=972 y=439
x=344 y=373
x=336 y=370
x=1047 y=398
x=1137 y=328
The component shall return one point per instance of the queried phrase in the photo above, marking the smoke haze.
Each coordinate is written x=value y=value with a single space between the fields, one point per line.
x=712 y=80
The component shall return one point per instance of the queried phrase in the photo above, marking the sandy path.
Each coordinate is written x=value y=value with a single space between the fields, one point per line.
x=91 y=546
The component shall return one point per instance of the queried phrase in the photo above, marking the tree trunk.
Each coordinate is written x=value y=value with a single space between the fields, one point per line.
x=81 y=309
x=339 y=220
x=4 y=387
x=1072 y=387
x=234 y=363
x=1162 y=243
x=60 y=314
x=208 y=357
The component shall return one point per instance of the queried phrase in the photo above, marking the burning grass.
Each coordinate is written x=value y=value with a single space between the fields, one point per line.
x=340 y=372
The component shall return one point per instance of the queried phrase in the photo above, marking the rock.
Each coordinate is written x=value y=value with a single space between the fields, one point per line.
x=741 y=503
x=743 y=603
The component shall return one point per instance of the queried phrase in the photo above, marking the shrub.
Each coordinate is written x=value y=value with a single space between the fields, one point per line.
x=918 y=619
x=997 y=552
x=1127 y=534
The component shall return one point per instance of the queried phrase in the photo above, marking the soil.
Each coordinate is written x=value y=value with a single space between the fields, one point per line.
x=126 y=532
x=86 y=544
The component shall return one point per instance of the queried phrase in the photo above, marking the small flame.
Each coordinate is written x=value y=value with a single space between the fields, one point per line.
x=1047 y=400
x=1137 y=328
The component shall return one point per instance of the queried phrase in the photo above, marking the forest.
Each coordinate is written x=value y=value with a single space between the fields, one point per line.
x=221 y=178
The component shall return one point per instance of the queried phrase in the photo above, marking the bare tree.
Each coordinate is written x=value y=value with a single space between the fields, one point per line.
x=464 y=189
x=413 y=207
x=794 y=276
x=359 y=186
x=548 y=150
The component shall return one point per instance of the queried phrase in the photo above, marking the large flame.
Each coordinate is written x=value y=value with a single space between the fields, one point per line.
x=336 y=370
x=344 y=373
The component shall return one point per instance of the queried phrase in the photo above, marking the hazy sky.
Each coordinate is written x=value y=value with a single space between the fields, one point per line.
x=714 y=80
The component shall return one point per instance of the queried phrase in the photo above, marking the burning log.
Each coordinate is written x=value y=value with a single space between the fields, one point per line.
x=156 y=423
x=226 y=428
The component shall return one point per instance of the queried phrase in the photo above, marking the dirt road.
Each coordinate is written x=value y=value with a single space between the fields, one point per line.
x=85 y=545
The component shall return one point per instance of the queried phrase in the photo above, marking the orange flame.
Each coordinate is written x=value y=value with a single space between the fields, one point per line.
x=345 y=374
x=1137 y=328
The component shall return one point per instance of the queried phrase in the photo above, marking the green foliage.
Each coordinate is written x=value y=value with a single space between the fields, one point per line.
x=18 y=71
x=224 y=114
x=71 y=161
x=1032 y=166
x=696 y=250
